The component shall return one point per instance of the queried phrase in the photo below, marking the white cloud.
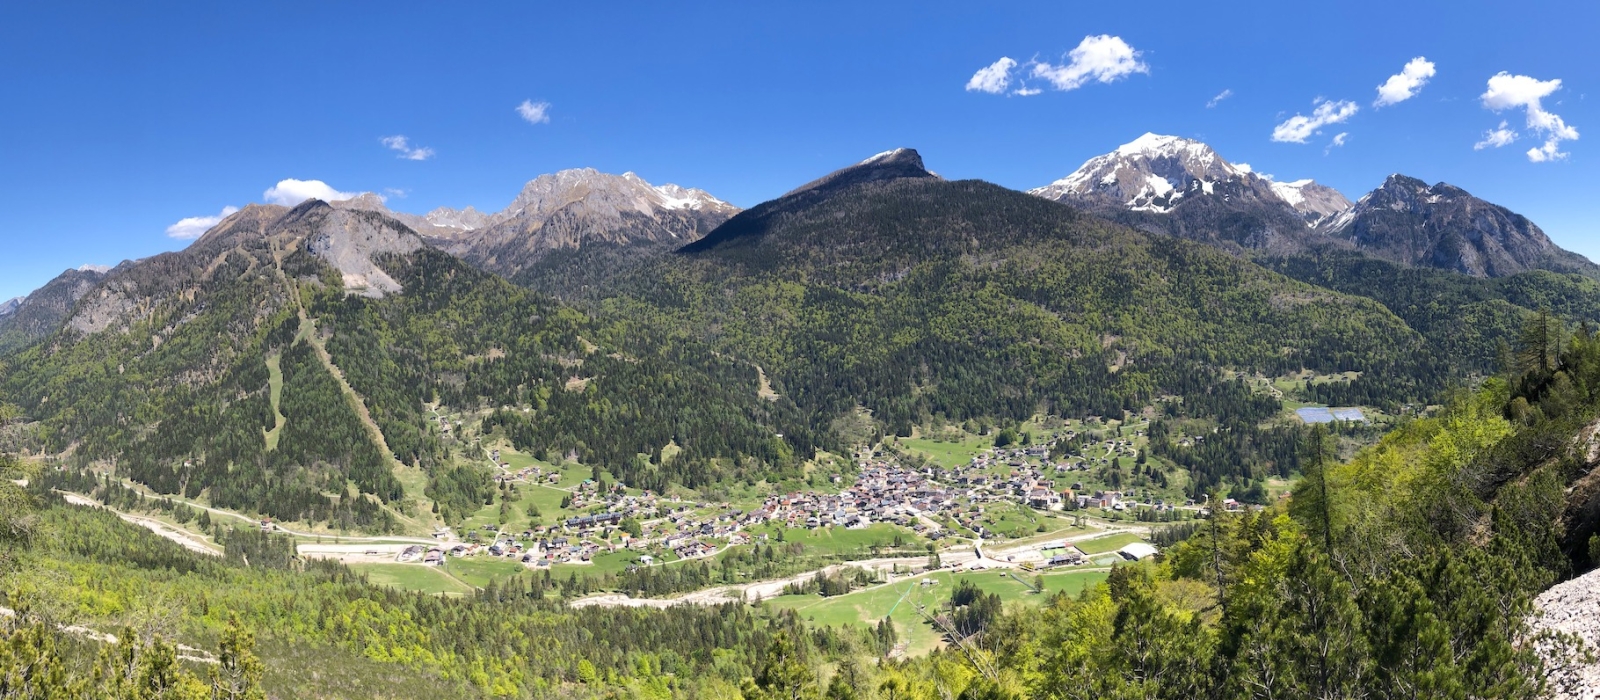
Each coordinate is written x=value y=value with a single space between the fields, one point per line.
x=396 y=192
x=1225 y=94
x=190 y=228
x=1496 y=137
x=534 y=112
x=1027 y=91
x=1404 y=85
x=406 y=150
x=1102 y=58
x=1338 y=141
x=291 y=192
x=993 y=78
x=1299 y=127
x=1551 y=150
x=1507 y=91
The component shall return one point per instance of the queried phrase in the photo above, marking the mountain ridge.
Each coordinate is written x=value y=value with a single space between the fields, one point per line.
x=1405 y=220
x=1182 y=187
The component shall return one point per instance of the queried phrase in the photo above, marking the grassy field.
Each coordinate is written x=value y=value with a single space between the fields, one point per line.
x=827 y=541
x=479 y=571
x=1060 y=529
x=412 y=577
x=1109 y=543
x=548 y=500
x=949 y=454
x=901 y=600
x=1013 y=520
x=606 y=563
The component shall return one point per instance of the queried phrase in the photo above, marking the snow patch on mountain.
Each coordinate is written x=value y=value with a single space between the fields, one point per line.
x=881 y=157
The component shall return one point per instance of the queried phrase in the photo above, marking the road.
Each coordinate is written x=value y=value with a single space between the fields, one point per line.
x=190 y=541
x=975 y=559
x=280 y=528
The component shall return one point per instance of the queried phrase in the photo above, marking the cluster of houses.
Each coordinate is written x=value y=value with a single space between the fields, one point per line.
x=884 y=492
x=531 y=474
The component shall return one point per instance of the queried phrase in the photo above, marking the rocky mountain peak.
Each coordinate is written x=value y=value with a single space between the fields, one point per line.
x=349 y=239
x=10 y=305
x=1316 y=202
x=366 y=200
x=1408 y=221
x=602 y=192
x=247 y=222
x=894 y=164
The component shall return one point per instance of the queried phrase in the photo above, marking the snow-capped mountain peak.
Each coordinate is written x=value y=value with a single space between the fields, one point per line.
x=1154 y=173
x=1150 y=173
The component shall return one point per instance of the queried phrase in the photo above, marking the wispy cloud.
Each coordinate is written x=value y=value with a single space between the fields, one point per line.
x=1298 y=128
x=1499 y=136
x=407 y=151
x=1337 y=142
x=1404 y=85
x=1225 y=94
x=534 y=112
x=1507 y=91
x=1103 y=58
x=190 y=228
x=396 y=192
x=291 y=192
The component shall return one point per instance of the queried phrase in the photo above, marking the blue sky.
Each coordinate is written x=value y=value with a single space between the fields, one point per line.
x=121 y=119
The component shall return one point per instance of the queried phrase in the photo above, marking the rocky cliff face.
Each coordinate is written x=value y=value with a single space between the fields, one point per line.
x=39 y=314
x=1442 y=226
x=350 y=240
x=1570 y=608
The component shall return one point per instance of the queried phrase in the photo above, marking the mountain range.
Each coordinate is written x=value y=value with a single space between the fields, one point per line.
x=570 y=220
x=877 y=298
x=1182 y=187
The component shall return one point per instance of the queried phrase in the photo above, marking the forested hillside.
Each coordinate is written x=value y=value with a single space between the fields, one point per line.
x=917 y=299
x=256 y=370
x=1466 y=320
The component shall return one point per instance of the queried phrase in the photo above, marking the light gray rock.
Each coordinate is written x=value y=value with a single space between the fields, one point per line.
x=1572 y=607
